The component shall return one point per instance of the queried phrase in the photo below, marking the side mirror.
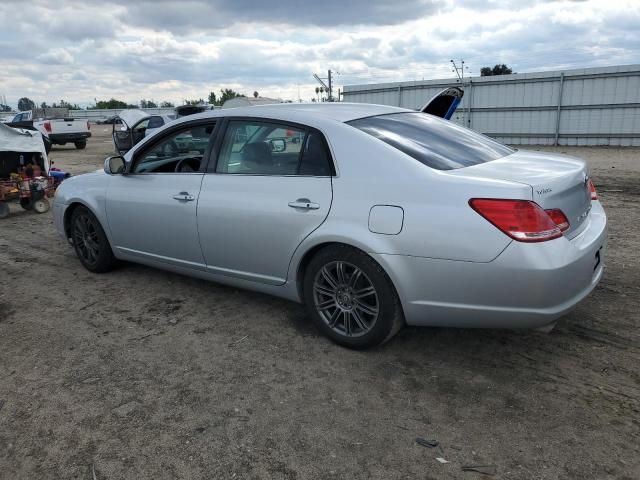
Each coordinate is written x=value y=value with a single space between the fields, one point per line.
x=278 y=145
x=114 y=165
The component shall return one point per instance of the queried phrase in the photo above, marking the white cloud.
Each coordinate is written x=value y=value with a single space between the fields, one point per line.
x=56 y=56
x=176 y=50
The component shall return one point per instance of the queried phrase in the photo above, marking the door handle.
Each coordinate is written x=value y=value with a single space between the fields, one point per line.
x=304 y=204
x=184 y=197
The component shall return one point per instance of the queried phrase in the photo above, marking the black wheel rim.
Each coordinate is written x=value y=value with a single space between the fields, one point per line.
x=85 y=238
x=346 y=299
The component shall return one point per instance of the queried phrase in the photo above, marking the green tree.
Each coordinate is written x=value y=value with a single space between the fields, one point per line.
x=65 y=104
x=26 y=103
x=199 y=101
x=500 y=69
x=167 y=105
x=225 y=94
x=111 y=104
x=228 y=94
x=4 y=108
x=148 y=104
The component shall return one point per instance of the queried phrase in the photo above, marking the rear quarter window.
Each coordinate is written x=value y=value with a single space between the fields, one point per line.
x=437 y=143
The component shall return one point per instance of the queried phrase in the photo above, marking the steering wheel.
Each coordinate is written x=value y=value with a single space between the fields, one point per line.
x=189 y=164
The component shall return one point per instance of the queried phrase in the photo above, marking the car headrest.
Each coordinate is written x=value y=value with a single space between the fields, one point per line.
x=258 y=152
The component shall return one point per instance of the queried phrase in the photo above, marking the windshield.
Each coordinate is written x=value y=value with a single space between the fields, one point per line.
x=437 y=143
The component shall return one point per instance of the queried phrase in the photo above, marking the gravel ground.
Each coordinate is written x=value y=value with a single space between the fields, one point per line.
x=149 y=375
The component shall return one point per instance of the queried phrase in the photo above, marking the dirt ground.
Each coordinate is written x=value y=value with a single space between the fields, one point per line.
x=142 y=374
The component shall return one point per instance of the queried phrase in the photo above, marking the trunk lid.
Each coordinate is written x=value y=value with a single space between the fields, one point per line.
x=444 y=103
x=557 y=181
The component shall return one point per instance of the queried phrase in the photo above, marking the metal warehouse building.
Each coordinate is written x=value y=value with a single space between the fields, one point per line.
x=591 y=106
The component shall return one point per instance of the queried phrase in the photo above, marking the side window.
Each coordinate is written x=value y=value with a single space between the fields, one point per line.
x=260 y=148
x=268 y=148
x=315 y=159
x=180 y=151
x=142 y=125
x=155 y=122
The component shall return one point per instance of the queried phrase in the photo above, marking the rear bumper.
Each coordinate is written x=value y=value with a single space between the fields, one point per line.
x=528 y=285
x=59 y=138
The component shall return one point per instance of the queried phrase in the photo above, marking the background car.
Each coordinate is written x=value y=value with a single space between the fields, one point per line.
x=133 y=125
x=56 y=126
x=380 y=216
x=109 y=120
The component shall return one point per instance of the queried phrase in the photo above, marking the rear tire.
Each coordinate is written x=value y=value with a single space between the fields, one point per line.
x=80 y=145
x=90 y=242
x=350 y=298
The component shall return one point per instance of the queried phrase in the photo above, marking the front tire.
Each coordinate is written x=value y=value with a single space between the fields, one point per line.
x=90 y=242
x=351 y=298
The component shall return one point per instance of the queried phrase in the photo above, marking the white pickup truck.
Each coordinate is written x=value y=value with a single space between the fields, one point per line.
x=55 y=125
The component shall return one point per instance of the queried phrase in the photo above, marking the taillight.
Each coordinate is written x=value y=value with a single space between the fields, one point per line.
x=559 y=218
x=592 y=190
x=88 y=125
x=522 y=220
x=47 y=126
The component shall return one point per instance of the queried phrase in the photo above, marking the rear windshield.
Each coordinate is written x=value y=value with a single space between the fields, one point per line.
x=437 y=143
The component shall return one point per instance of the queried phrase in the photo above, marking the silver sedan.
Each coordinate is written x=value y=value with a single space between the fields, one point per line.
x=374 y=217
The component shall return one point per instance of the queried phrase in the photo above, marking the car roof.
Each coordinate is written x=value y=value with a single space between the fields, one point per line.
x=340 y=112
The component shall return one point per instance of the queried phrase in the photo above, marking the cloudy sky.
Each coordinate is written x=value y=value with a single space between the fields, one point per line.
x=175 y=50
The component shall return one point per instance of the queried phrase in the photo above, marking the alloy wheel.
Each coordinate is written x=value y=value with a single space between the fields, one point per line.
x=85 y=238
x=346 y=299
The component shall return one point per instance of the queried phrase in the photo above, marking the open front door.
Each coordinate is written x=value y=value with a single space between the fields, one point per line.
x=444 y=103
x=121 y=137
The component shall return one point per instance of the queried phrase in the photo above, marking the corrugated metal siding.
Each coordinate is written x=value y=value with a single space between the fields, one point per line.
x=99 y=114
x=598 y=106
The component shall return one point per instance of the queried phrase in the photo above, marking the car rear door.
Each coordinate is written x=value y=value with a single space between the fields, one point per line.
x=262 y=195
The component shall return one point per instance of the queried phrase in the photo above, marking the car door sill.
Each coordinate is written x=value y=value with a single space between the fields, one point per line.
x=254 y=277
x=160 y=258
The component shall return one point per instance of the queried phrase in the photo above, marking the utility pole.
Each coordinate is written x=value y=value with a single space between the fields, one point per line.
x=459 y=69
x=328 y=88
